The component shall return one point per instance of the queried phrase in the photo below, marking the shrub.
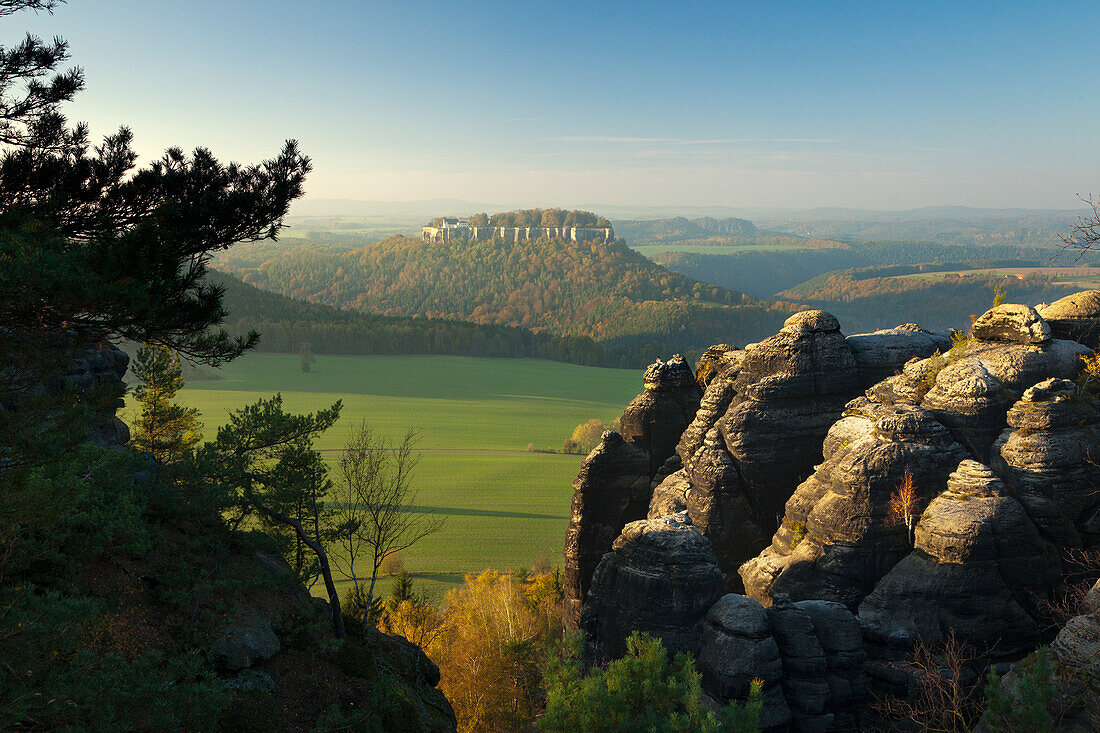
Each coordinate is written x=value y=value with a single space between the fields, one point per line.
x=1025 y=705
x=642 y=691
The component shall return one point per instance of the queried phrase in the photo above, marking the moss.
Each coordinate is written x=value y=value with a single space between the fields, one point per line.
x=798 y=533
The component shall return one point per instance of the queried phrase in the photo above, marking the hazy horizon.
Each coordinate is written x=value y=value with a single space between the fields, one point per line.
x=853 y=105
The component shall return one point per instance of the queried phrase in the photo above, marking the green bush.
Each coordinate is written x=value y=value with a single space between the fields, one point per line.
x=643 y=691
x=1024 y=706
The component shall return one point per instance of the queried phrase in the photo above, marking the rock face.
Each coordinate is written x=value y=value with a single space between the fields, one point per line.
x=978 y=568
x=837 y=538
x=654 y=420
x=661 y=578
x=738 y=647
x=1049 y=455
x=611 y=490
x=809 y=656
x=1075 y=317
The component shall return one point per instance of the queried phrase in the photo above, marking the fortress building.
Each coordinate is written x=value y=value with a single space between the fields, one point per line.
x=451 y=229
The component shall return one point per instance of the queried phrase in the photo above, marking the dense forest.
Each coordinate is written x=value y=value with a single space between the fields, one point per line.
x=536 y=218
x=680 y=229
x=288 y=325
x=605 y=291
x=764 y=273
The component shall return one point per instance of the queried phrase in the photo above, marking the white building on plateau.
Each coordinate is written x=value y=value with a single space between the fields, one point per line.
x=452 y=223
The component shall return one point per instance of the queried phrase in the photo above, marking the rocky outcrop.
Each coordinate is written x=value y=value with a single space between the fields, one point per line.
x=1075 y=317
x=808 y=655
x=654 y=420
x=979 y=569
x=883 y=353
x=1018 y=324
x=661 y=578
x=612 y=489
x=837 y=538
x=1050 y=456
x=737 y=648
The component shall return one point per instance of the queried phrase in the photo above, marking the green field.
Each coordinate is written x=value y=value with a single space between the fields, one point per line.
x=504 y=506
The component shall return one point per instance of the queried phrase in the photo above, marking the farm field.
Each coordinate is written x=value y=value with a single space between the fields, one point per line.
x=504 y=506
x=1086 y=277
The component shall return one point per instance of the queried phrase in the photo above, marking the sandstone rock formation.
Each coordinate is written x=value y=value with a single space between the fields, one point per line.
x=654 y=420
x=883 y=353
x=738 y=647
x=987 y=429
x=837 y=538
x=1075 y=317
x=979 y=569
x=612 y=489
x=1050 y=456
x=661 y=578
x=1019 y=324
x=808 y=655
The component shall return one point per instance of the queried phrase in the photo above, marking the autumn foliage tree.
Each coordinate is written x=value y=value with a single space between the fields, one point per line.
x=905 y=504
x=498 y=632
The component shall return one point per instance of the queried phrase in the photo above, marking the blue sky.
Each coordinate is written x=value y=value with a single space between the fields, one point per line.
x=796 y=104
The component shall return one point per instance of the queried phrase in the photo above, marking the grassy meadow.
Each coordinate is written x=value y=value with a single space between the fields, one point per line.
x=504 y=506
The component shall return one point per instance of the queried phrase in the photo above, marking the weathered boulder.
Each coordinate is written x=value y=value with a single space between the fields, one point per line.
x=1049 y=455
x=654 y=420
x=738 y=647
x=1020 y=324
x=881 y=354
x=837 y=538
x=612 y=489
x=979 y=568
x=243 y=643
x=1075 y=317
x=661 y=578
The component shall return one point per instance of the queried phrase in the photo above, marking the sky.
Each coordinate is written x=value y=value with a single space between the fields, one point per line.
x=891 y=105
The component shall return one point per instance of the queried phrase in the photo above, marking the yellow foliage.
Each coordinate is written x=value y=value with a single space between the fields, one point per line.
x=491 y=648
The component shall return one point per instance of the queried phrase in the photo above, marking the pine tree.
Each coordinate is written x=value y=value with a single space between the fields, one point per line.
x=164 y=428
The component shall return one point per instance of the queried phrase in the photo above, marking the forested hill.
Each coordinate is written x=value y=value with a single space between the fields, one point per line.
x=286 y=325
x=635 y=308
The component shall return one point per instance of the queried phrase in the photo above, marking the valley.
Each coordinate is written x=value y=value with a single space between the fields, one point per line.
x=505 y=506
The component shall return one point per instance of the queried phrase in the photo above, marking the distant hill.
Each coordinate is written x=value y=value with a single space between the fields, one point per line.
x=286 y=324
x=764 y=273
x=934 y=295
x=605 y=291
x=680 y=229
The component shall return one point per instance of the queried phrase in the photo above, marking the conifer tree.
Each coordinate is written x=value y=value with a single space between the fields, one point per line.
x=164 y=428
